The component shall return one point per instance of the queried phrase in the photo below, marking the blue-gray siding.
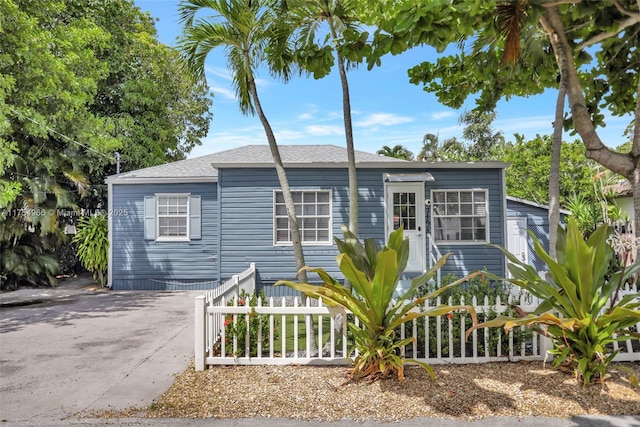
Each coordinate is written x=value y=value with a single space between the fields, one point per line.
x=538 y=223
x=146 y=264
x=246 y=200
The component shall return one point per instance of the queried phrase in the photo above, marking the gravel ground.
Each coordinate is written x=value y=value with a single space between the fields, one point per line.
x=464 y=392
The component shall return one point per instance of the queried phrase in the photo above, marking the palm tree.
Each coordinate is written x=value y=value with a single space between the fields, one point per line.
x=243 y=28
x=306 y=17
x=430 y=149
x=433 y=151
x=397 y=152
x=511 y=19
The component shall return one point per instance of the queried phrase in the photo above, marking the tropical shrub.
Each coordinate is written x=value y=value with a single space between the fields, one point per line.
x=374 y=276
x=582 y=311
x=93 y=245
x=238 y=328
x=25 y=258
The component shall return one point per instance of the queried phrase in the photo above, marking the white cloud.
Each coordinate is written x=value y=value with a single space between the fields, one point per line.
x=384 y=119
x=218 y=72
x=225 y=92
x=288 y=135
x=324 y=130
x=517 y=124
x=442 y=115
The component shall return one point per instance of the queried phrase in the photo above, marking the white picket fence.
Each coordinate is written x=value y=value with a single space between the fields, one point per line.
x=279 y=319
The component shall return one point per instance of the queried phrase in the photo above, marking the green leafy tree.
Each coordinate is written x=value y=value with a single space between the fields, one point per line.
x=158 y=112
x=79 y=80
x=397 y=152
x=585 y=294
x=374 y=275
x=449 y=150
x=246 y=31
x=527 y=176
x=49 y=68
x=604 y=81
x=485 y=143
x=92 y=240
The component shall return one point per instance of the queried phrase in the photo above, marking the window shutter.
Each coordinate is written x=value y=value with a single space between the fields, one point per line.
x=195 y=220
x=149 y=217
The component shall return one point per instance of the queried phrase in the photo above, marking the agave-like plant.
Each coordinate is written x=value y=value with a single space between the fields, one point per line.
x=581 y=312
x=374 y=276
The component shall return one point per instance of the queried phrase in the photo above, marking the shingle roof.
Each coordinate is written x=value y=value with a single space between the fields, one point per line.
x=197 y=168
x=254 y=154
x=203 y=169
x=200 y=168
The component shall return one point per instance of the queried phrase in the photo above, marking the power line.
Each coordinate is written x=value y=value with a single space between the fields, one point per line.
x=60 y=134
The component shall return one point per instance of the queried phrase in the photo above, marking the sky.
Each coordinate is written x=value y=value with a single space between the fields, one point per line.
x=386 y=108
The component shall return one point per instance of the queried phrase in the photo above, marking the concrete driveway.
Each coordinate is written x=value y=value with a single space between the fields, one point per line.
x=91 y=351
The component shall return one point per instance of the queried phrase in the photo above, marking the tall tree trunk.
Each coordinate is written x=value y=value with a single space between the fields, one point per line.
x=635 y=153
x=554 y=172
x=627 y=165
x=291 y=210
x=284 y=183
x=348 y=131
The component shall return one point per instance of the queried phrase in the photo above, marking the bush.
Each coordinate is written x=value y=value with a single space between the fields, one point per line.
x=374 y=276
x=582 y=312
x=497 y=338
x=93 y=245
x=238 y=328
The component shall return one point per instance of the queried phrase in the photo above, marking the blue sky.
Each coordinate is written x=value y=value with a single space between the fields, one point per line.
x=386 y=108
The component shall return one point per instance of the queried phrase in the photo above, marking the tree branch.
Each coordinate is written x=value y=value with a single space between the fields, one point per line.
x=621 y=8
x=603 y=36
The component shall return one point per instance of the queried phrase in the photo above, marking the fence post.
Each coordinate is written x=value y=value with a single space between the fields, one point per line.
x=200 y=337
x=252 y=266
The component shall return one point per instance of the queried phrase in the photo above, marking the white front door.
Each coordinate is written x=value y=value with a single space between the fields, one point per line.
x=405 y=207
x=517 y=238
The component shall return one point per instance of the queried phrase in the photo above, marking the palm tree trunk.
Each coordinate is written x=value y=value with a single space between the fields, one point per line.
x=554 y=173
x=284 y=183
x=348 y=131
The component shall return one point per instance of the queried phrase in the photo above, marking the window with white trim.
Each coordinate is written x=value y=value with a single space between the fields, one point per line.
x=460 y=215
x=173 y=217
x=313 y=209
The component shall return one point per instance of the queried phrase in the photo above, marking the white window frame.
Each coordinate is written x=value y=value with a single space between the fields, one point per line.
x=434 y=216
x=184 y=238
x=301 y=217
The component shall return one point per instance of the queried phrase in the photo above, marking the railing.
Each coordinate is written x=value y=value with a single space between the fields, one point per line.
x=207 y=326
x=284 y=331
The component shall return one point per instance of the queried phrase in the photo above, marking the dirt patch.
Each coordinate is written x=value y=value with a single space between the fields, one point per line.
x=465 y=392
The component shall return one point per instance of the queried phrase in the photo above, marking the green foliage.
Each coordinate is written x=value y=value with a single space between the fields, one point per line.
x=528 y=175
x=26 y=258
x=93 y=245
x=451 y=326
x=80 y=79
x=397 y=152
x=238 y=328
x=574 y=311
x=374 y=276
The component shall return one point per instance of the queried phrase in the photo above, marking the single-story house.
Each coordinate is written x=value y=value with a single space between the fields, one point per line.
x=193 y=223
x=523 y=215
